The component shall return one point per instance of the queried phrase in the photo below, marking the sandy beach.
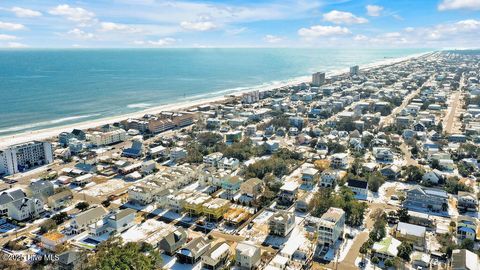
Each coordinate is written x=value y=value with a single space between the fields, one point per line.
x=54 y=131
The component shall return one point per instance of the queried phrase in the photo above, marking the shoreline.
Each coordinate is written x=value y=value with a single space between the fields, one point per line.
x=51 y=132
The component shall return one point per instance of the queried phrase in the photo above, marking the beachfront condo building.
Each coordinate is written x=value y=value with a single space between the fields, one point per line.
x=354 y=70
x=21 y=157
x=318 y=78
x=109 y=137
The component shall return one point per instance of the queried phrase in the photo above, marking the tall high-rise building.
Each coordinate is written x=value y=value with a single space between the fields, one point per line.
x=354 y=70
x=318 y=78
x=20 y=157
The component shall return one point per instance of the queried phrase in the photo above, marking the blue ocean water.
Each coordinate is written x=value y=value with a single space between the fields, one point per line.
x=46 y=88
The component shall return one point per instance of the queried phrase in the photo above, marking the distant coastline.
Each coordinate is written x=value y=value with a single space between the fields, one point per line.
x=216 y=96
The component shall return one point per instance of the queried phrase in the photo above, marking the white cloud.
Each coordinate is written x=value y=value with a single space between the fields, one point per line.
x=460 y=34
x=11 y=26
x=7 y=37
x=235 y=31
x=80 y=34
x=459 y=4
x=272 y=39
x=322 y=31
x=76 y=14
x=341 y=17
x=360 y=38
x=374 y=10
x=25 y=12
x=156 y=43
x=162 y=42
x=110 y=26
x=198 y=26
x=16 y=45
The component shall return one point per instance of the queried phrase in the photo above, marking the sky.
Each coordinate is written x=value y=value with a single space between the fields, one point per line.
x=251 y=23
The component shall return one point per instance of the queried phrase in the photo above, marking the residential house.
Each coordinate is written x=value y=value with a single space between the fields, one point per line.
x=71 y=260
x=60 y=200
x=391 y=171
x=331 y=226
x=173 y=241
x=40 y=189
x=193 y=251
x=52 y=240
x=229 y=164
x=216 y=257
x=434 y=176
x=310 y=177
x=387 y=248
x=252 y=188
x=212 y=160
x=288 y=193
x=457 y=138
x=329 y=177
x=247 y=255
x=82 y=220
x=281 y=223
x=411 y=233
x=464 y=259
x=215 y=208
x=383 y=155
x=432 y=199
x=231 y=185
x=25 y=208
x=359 y=188
x=9 y=196
x=339 y=161
x=466 y=228
x=467 y=201
x=193 y=204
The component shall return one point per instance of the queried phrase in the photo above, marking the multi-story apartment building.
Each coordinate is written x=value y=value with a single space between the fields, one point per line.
x=109 y=137
x=20 y=157
x=318 y=78
x=332 y=224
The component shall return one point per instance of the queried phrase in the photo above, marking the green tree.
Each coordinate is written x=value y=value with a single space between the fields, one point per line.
x=414 y=173
x=403 y=215
x=114 y=254
x=404 y=250
x=82 y=206
x=375 y=181
x=47 y=225
x=467 y=244
x=60 y=218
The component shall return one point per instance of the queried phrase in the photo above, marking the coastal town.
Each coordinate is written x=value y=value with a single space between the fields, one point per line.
x=373 y=168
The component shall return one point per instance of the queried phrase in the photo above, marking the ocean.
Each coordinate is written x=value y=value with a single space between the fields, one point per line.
x=48 y=88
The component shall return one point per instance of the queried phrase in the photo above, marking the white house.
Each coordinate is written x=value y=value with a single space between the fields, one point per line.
x=247 y=255
x=25 y=208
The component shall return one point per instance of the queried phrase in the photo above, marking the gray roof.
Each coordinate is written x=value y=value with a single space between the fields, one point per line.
x=93 y=213
x=411 y=229
x=13 y=195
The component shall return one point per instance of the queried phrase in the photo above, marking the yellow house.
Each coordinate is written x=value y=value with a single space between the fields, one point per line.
x=193 y=205
x=214 y=209
x=236 y=216
x=52 y=240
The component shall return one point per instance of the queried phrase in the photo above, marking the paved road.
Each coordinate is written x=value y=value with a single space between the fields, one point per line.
x=451 y=115
x=407 y=155
x=450 y=118
x=354 y=251
x=385 y=121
